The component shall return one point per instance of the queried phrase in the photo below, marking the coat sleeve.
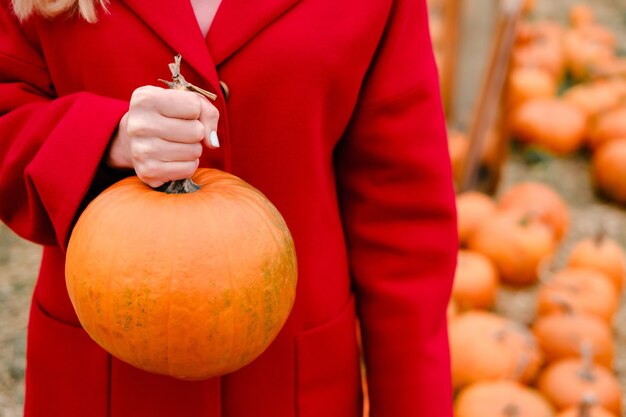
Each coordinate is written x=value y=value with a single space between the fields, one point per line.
x=50 y=147
x=397 y=199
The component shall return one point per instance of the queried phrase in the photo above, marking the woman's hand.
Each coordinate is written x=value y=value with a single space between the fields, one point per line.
x=162 y=133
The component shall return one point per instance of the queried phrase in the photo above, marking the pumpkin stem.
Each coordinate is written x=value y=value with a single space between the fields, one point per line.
x=586 y=372
x=511 y=410
x=182 y=186
x=600 y=235
x=587 y=401
x=527 y=218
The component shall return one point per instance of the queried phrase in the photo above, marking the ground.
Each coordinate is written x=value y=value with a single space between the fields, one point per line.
x=19 y=259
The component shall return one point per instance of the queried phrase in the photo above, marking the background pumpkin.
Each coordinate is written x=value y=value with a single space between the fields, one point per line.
x=485 y=346
x=580 y=290
x=516 y=242
x=565 y=383
x=501 y=399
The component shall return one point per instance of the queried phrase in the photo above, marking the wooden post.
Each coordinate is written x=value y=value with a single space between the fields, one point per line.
x=451 y=24
x=490 y=101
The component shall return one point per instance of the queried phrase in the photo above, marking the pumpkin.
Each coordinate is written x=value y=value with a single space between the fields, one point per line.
x=539 y=45
x=581 y=15
x=580 y=290
x=189 y=285
x=473 y=207
x=501 y=399
x=594 y=98
x=609 y=126
x=550 y=123
x=475 y=281
x=603 y=254
x=516 y=242
x=587 y=48
x=486 y=346
x=527 y=83
x=586 y=408
x=565 y=383
x=608 y=170
x=560 y=336
x=541 y=200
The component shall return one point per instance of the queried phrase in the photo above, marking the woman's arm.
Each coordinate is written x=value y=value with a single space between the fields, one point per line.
x=397 y=198
x=55 y=152
x=50 y=148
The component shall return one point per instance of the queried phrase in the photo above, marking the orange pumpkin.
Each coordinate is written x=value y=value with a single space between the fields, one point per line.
x=595 y=98
x=581 y=15
x=527 y=83
x=603 y=254
x=501 y=399
x=475 y=281
x=565 y=383
x=609 y=126
x=473 y=207
x=560 y=336
x=551 y=123
x=586 y=48
x=541 y=200
x=485 y=346
x=593 y=411
x=190 y=285
x=516 y=242
x=608 y=170
x=587 y=408
x=580 y=290
x=539 y=45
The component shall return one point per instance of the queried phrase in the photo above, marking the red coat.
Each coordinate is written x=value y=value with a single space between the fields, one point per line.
x=334 y=113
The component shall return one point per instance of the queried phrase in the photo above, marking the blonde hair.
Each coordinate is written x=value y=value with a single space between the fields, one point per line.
x=51 y=8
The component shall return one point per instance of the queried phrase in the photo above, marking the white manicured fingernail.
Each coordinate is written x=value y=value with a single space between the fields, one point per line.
x=213 y=140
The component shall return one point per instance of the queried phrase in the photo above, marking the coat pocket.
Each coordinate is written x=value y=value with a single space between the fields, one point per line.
x=67 y=374
x=328 y=374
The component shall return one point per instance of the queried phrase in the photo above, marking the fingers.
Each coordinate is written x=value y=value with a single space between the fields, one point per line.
x=156 y=173
x=164 y=132
x=209 y=116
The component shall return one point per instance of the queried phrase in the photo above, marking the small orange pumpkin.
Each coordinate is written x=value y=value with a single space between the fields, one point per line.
x=603 y=254
x=560 y=336
x=608 y=170
x=475 y=281
x=580 y=290
x=189 y=285
x=527 y=83
x=587 y=408
x=541 y=200
x=581 y=15
x=516 y=242
x=594 y=98
x=501 y=399
x=551 y=123
x=473 y=207
x=566 y=382
x=486 y=346
x=609 y=126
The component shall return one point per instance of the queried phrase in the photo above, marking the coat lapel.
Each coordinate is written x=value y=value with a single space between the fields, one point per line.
x=238 y=21
x=175 y=23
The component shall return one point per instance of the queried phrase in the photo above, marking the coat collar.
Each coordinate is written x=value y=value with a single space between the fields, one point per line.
x=236 y=22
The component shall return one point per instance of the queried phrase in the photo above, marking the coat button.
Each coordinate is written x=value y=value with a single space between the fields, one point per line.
x=225 y=89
